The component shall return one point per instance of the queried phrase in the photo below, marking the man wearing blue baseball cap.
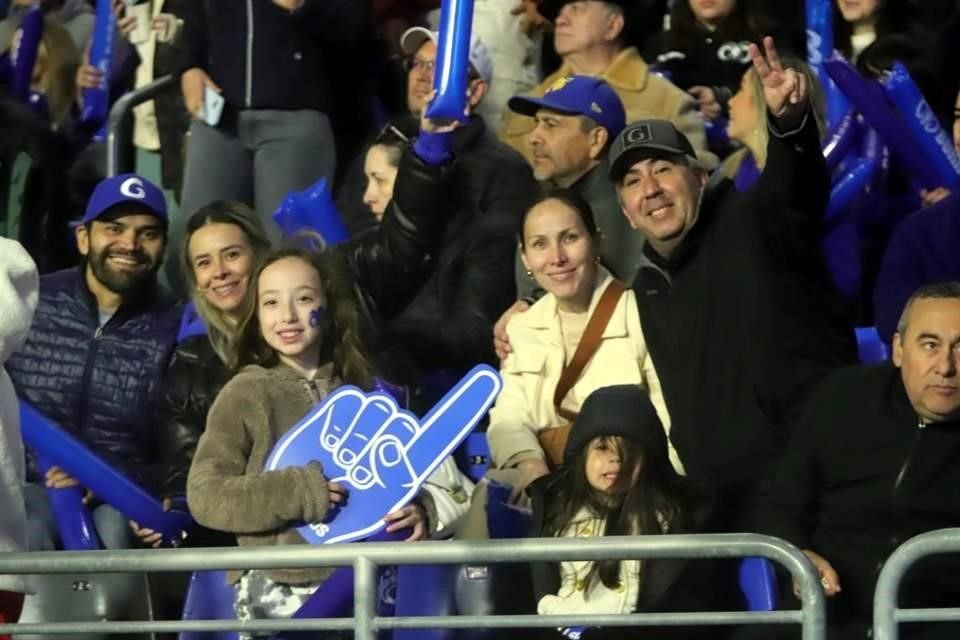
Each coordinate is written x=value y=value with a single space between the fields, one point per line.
x=99 y=344
x=575 y=122
x=591 y=38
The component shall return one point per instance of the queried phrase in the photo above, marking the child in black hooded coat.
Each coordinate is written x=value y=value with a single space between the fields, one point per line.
x=617 y=479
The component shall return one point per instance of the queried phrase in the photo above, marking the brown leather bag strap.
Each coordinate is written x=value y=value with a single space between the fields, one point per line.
x=589 y=343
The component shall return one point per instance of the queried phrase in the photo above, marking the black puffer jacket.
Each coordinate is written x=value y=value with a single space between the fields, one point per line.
x=99 y=383
x=389 y=264
x=194 y=378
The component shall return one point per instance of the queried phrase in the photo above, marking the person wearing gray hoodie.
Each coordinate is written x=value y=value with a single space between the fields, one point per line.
x=19 y=289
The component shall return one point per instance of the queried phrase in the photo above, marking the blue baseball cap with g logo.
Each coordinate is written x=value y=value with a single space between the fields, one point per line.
x=126 y=188
x=577 y=96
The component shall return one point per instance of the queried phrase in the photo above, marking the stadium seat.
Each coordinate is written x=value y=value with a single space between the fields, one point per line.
x=870 y=347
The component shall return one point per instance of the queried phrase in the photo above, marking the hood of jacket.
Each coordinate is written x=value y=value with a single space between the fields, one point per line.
x=19 y=289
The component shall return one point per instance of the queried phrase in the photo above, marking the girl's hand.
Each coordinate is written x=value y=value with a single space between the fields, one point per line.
x=411 y=516
x=338 y=493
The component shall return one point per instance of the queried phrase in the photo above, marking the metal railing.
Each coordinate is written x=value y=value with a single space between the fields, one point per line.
x=886 y=614
x=366 y=557
x=117 y=141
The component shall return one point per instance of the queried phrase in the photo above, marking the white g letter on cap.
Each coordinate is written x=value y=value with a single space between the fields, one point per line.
x=133 y=188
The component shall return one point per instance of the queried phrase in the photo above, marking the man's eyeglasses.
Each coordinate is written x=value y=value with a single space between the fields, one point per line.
x=413 y=62
x=419 y=64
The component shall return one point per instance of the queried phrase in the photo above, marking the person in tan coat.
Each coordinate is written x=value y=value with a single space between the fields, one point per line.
x=589 y=36
x=560 y=248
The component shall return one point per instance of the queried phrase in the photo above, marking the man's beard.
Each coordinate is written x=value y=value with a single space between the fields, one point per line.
x=122 y=281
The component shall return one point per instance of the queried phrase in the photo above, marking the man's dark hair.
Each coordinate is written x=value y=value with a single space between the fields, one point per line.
x=588 y=124
x=937 y=291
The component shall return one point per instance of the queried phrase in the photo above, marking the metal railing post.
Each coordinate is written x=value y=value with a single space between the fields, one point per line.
x=886 y=613
x=119 y=112
x=364 y=599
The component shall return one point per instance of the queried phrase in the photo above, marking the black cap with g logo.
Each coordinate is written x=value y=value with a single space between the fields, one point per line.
x=642 y=139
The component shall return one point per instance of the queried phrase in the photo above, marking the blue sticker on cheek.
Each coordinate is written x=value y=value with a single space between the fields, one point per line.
x=316 y=316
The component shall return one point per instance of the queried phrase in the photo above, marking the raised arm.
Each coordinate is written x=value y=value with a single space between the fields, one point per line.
x=794 y=187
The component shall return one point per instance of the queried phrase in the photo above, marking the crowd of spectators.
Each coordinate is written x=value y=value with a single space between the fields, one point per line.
x=629 y=221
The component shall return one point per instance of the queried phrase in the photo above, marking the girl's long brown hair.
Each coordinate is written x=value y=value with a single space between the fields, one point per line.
x=658 y=498
x=342 y=325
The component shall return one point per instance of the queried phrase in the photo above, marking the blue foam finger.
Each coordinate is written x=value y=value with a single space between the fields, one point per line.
x=923 y=124
x=458 y=412
x=23 y=56
x=58 y=447
x=96 y=101
x=453 y=60
x=391 y=452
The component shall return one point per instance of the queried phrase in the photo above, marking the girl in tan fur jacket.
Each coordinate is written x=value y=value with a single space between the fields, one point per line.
x=300 y=341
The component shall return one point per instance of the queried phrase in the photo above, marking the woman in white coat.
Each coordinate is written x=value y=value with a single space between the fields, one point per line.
x=559 y=246
x=19 y=286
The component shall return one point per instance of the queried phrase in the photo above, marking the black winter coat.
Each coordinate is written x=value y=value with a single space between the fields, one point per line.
x=265 y=57
x=389 y=264
x=714 y=59
x=449 y=324
x=101 y=384
x=742 y=320
x=859 y=478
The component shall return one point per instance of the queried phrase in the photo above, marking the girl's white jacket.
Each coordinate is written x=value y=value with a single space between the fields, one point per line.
x=19 y=288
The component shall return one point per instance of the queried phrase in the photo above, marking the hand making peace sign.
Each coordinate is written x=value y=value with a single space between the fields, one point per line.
x=784 y=90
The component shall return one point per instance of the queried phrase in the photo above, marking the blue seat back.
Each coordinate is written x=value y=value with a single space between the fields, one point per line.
x=209 y=597
x=758 y=583
x=870 y=347
x=473 y=456
x=426 y=590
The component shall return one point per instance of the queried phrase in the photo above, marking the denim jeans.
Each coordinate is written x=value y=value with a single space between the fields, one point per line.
x=43 y=533
x=271 y=153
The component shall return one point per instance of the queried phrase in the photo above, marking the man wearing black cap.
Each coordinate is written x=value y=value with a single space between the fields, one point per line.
x=735 y=302
x=98 y=347
x=590 y=36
